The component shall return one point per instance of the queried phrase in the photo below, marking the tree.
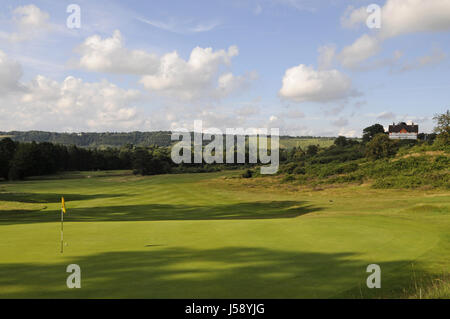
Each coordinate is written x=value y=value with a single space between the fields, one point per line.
x=312 y=150
x=150 y=161
x=247 y=174
x=370 y=132
x=24 y=161
x=443 y=126
x=341 y=141
x=380 y=146
x=7 y=149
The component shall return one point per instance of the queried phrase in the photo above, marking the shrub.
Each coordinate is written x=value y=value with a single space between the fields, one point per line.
x=247 y=174
x=299 y=170
x=289 y=178
x=380 y=147
x=312 y=150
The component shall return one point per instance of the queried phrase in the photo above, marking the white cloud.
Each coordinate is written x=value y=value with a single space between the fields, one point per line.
x=404 y=16
x=203 y=75
x=398 y=17
x=353 y=17
x=10 y=74
x=75 y=103
x=347 y=132
x=30 y=16
x=29 y=21
x=47 y=104
x=229 y=83
x=302 y=84
x=197 y=77
x=436 y=56
x=109 y=55
x=408 y=16
x=354 y=55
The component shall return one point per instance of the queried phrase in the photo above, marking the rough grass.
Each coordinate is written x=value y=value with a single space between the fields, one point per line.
x=428 y=169
x=216 y=235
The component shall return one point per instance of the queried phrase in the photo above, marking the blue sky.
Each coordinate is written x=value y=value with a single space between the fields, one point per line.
x=306 y=67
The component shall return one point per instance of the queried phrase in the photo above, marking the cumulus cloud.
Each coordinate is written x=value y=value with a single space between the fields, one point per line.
x=10 y=74
x=72 y=103
x=303 y=83
x=29 y=21
x=353 y=17
x=363 y=48
x=204 y=74
x=408 y=16
x=110 y=55
x=30 y=16
x=197 y=77
x=404 y=16
x=398 y=17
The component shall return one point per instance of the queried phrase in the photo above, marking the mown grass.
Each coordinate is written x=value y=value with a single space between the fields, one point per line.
x=303 y=143
x=216 y=235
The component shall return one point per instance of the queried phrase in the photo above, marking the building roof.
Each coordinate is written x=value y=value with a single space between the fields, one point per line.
x=397 y=128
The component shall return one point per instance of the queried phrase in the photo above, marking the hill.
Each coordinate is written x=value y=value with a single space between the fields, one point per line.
x=118 y=139
x=93 y=140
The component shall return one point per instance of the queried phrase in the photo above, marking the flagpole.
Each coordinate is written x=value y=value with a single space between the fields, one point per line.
x=62 y=231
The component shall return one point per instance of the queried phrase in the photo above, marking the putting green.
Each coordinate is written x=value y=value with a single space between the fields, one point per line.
x=207 y=236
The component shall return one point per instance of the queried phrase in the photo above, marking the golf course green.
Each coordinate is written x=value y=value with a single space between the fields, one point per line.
x=215 y=235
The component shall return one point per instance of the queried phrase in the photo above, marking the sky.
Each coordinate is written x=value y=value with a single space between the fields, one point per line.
x=317 y=68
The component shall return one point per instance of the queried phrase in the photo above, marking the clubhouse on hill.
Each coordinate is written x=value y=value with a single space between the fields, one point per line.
x=403 y=131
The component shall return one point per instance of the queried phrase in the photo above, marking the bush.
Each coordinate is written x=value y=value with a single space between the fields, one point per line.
x=299 y=170
x=247 y=174
x=289 y=178
x=312 y=150
x=381 y=146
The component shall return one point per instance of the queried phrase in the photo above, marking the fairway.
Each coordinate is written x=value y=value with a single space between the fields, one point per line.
x=212 y=236
x=303 y=143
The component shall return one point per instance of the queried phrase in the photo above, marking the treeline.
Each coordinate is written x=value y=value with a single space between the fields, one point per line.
x=93 y=140
x=21 y=160
x=108 y=139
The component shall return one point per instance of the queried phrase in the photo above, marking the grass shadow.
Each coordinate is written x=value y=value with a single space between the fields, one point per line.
x=42 y=198
x=153 y=212
x=179 y=272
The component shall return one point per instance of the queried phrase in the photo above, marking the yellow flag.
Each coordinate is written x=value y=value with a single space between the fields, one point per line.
x=63 y=205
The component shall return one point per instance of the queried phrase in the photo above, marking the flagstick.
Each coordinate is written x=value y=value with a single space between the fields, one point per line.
x=62 y=231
